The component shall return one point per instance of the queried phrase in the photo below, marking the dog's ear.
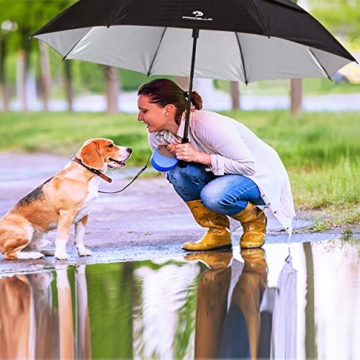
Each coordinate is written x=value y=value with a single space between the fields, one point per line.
x=90 y=156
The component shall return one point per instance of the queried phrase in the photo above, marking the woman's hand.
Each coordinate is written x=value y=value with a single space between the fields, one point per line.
x=172 y=148
x=188 y=153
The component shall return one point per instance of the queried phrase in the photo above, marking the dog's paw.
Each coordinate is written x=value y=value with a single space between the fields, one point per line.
x=61 y=255
x=28 y=255
x=84 y=252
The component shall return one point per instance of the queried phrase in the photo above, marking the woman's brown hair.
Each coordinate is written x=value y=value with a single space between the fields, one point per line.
x=164 y=91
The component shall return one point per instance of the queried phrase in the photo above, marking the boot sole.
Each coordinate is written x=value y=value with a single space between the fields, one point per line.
x=223 y=247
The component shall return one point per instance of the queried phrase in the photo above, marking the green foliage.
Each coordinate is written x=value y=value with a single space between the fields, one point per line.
x=339 y=16
x=282 y=87
x=131 y=80
x=62 y=133
x=110 y=296
x=29 y=16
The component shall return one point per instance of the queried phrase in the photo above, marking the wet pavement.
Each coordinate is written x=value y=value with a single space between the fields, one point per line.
x=146 y=221
x=282 y=302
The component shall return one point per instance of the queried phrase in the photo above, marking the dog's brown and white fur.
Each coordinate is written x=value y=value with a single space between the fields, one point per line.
x=61 y=201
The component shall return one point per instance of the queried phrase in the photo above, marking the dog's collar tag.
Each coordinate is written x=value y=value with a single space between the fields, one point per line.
x=94 y=171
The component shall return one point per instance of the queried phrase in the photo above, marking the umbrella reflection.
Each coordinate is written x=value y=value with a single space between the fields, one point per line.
x=32 y=327
x=285 y=314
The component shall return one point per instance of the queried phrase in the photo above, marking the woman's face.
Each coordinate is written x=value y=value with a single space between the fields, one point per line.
x=155 y=118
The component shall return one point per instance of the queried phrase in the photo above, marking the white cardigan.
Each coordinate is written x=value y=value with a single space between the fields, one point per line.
x=235 y=149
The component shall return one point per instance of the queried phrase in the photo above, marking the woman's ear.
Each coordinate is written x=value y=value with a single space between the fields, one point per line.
x=170 y=109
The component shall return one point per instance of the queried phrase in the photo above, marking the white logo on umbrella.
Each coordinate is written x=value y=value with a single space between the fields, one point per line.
x=198 y=15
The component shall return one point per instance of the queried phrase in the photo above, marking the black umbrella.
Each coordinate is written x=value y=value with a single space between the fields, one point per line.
x=239 y=40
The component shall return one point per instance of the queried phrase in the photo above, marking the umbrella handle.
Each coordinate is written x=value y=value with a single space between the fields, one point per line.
x=185 y=139
x=182 y=163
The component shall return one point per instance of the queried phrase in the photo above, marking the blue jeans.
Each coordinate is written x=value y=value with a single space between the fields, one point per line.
x=228 y=194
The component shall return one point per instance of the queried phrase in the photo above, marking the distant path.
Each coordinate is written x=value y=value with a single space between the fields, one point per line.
x=214 y=100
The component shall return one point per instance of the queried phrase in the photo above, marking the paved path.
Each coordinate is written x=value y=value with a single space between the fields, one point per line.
x=214 y=100
x=146 y=221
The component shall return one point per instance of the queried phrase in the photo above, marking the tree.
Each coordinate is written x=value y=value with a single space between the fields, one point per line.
x=28 y=17
x=6 y=27
x=342 y=17
x=111 y=89
x=235 y=95
x=296 y=93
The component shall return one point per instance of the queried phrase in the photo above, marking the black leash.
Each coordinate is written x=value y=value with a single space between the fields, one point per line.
x=135 y=177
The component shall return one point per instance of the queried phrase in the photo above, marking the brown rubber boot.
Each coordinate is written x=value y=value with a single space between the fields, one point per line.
x=254 y=261
x=214 y=260
x=217 y=237
x=253 y=221
x=248 y=293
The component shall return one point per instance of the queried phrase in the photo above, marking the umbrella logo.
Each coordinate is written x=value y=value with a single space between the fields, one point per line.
x=198 y=15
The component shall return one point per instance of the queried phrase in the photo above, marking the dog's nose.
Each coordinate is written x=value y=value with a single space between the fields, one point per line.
x=129 y=150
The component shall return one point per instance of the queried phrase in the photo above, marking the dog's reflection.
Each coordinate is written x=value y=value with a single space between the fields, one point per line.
x=30 y=325
x=228 y=319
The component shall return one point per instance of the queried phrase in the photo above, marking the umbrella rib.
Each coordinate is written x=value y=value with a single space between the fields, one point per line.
x=242 y=59
x=72 y=48
x=319 y=64
x=156 y=52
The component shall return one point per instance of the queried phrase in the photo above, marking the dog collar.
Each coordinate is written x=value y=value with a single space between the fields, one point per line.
x=94 y=171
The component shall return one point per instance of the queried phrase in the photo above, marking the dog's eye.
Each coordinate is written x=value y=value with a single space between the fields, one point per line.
x=110 y=146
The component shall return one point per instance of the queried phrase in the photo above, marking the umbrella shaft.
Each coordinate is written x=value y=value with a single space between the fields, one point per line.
x=195 y=35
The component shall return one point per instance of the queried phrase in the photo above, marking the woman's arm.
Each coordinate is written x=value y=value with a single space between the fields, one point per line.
x=222 y=138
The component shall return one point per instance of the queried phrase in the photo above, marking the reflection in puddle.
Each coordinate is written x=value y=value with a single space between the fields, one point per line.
x=245 y=304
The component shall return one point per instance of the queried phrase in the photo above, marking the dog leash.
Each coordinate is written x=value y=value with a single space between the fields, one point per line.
x=135 y=177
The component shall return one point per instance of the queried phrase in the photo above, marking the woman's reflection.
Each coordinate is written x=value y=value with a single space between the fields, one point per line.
x=228 y=319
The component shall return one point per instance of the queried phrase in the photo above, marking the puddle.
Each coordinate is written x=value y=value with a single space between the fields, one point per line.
x=209 y=305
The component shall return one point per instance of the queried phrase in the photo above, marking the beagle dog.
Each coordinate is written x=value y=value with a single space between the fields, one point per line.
x=61 y=201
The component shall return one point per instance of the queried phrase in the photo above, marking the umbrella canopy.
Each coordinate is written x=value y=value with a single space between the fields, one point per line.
x=239 y=40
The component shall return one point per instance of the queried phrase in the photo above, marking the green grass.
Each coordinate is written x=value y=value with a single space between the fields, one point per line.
x=282 y=87
x=320 y=150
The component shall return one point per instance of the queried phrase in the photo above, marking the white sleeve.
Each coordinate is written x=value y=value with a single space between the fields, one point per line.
x=153 y=141
x=230 y=153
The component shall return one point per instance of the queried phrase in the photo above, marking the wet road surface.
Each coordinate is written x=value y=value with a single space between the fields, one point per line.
x=295 y=302
x=146 y=221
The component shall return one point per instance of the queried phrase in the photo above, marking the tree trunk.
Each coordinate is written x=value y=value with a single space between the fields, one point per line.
x=296 y=96
x=111 y=89
x=69 y=92
x=296 y=92
x=183 y=82
x=235 y=95
x=45 y=75
x=3 y=83
x=21 y=81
